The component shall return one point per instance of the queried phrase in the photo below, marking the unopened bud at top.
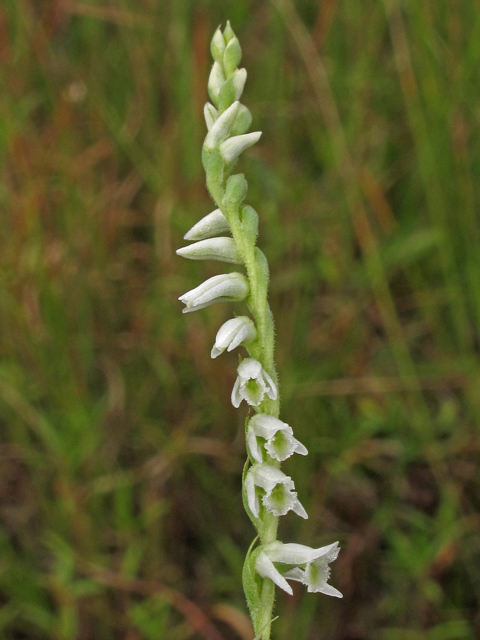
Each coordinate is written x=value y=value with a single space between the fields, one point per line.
x=228 y=32
x=217 y=45
x=232 y=56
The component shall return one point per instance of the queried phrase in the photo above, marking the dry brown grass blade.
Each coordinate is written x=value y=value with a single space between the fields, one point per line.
x=109 y=14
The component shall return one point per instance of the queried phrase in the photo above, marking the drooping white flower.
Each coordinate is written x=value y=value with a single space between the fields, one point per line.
x=233 y=333
x=227 y=287
x=279 y=496
x=210 y=225
x=311 y=567
x=233 y=147
x=280 y=443
x=223 y=249
x=252 y=383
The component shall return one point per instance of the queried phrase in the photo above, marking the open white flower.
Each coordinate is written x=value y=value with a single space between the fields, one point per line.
x=222 y=288
x=210 y=225
x=279 y=496
x=233 y=333
x=311 y=567
x=252 y=383
x=280 y=443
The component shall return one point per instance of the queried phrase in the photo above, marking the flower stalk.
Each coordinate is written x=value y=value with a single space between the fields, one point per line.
x=268 y=493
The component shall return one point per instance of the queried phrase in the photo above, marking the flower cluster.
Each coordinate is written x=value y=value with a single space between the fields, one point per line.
x=228 y=234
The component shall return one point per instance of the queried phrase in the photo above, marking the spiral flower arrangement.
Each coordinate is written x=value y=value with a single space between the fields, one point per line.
x=268 y=493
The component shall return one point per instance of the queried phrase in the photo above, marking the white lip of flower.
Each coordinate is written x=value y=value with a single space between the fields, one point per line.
x=223 y=288
x=233 y=333
x=210 y=225
x=315 y=574
x=279 y=497
x=223 y=249
x=280 y=443
x=252 y=383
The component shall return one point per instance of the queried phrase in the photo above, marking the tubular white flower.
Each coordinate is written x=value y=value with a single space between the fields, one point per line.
x=223 y=249
x=210 y=225
x=279 y=497
x=252 y=383
x=315 y=573
x=225 y=287
x=221 y=127
x=233 y=333
x=211 y=115
x=233 y=147
x=280 y=443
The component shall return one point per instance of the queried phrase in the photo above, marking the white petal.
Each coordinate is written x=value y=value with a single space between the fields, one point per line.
x=252 y=497
x=255 y=450
x=236 y=397
x=222 y=127
x=295 y=574
x=299 y=510
x=282 y=445
x=271 y=388
x=233 y=147
x=249 y=368
x=246 y=334
x=210 y=225
x=300 y=448
x=267 y=477
x=266 y=569
x=253 y=391
x=266 y=426
x=292 y=553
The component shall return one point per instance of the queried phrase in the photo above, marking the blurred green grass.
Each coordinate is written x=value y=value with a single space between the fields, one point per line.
x=121 y=456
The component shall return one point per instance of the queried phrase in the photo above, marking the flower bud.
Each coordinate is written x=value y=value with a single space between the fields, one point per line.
x=217 y=46
x=232 y=56
x=223 y=249
x=211 y=114
x=232 y=89
x=210 y=225
x=233 y=147
x=228 y=32
x=233 y=333
x=227 y=287
x=222 y=127
x=216 y=81
x=235 y=191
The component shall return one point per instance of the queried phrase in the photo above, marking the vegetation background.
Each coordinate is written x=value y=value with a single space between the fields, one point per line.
x=121 y=455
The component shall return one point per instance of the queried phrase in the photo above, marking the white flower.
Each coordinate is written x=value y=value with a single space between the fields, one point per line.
x=252 y=383
x=233 y=147
x=223 y=249
x=280 y=443
x=239 y=78
x=232 y=333
x=215 y=81
x=222 y=288
x=315 y=571
x=210 y=225
x=279 y=496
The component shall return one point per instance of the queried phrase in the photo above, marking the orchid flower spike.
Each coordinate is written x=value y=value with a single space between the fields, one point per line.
x=225 y=287
x=233 y=333
x=279 y=496
x=311 y=567
x=280 y=443
x=252 y=383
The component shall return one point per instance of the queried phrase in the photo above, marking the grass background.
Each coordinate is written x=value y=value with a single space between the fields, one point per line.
x=120 y=453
